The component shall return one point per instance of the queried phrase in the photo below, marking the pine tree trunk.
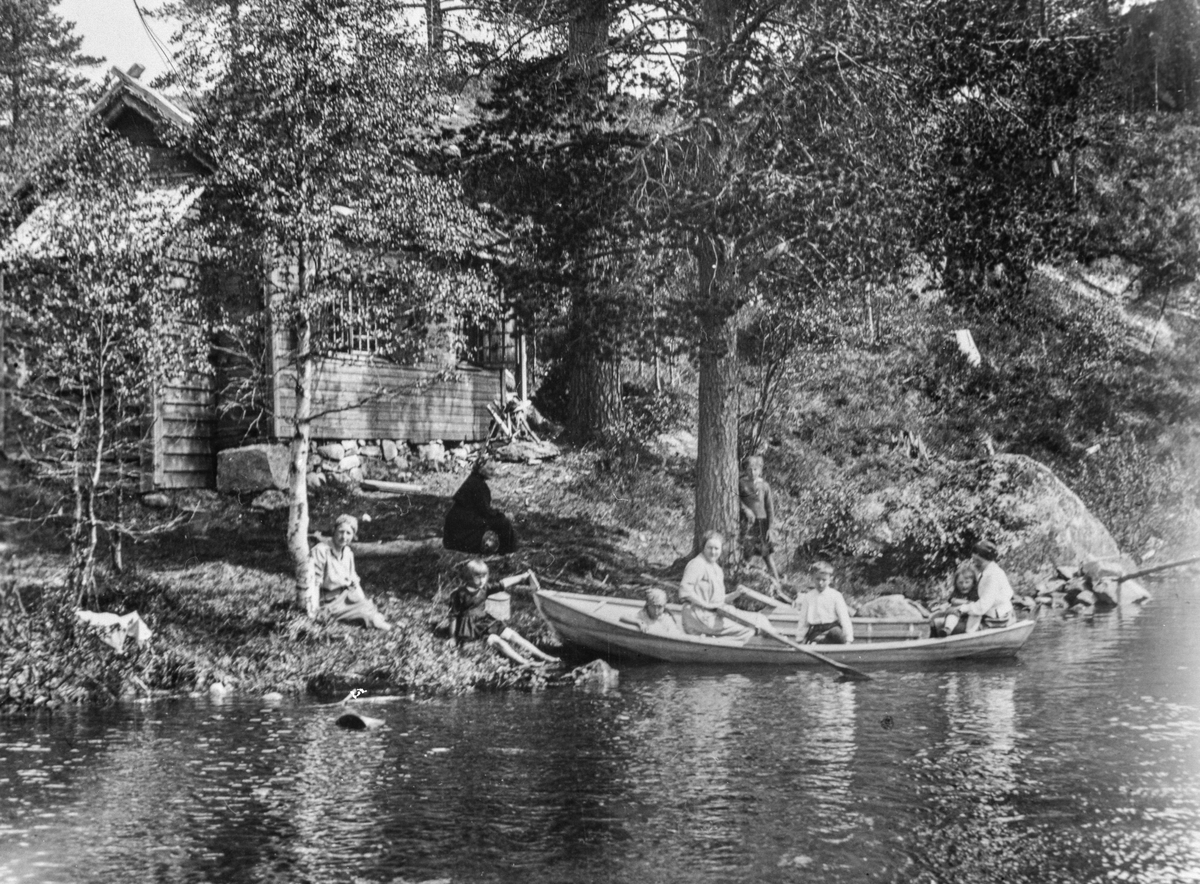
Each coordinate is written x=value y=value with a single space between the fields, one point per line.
x=434 y=32
x=716 y=452
x=596 y=411
x=716 y=437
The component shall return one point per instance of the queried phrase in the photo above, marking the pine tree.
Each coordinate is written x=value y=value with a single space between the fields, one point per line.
x=43 y=83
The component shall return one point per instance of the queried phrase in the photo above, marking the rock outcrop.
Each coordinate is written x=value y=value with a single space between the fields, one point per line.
x=253 y=468
x=935 y=514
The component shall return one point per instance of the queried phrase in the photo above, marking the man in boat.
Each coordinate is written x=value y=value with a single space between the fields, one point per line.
x=993 y=606
x=470 y=619
x=824 y=616
x=654 y=618
x=758 y=514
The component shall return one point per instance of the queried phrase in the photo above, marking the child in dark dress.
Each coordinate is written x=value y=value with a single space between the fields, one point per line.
x=470 y=620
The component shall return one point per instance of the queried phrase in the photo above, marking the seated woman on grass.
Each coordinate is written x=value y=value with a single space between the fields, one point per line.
x=471 y=621
x=341 y=593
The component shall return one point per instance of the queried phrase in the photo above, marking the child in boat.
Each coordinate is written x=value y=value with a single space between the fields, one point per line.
x=992 y=607
x=963 y=591
x=471 y=621
x=654 y=618
x=824 y=616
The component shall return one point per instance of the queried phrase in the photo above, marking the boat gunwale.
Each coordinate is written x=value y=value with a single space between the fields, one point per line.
x=989 y=643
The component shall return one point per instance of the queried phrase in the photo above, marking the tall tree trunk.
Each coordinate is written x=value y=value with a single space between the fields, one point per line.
x=596 y=411
x=587 y=44
x=298 y=518
x=716 y=437
x=434 y=31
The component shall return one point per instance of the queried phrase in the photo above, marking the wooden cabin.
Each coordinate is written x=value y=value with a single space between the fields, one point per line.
x=359 y=395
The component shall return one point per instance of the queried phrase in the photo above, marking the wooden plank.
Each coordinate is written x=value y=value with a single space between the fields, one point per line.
x=176 y=411
x=181 y=396
x=442 y=409
x=186 y=480
x=186 y=445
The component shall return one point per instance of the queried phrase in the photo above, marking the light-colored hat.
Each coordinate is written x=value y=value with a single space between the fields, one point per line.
x=656 y=596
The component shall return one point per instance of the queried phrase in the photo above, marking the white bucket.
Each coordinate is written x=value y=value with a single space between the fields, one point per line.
x=499 y=605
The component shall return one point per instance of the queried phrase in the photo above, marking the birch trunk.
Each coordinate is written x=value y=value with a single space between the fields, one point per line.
x=298 y=518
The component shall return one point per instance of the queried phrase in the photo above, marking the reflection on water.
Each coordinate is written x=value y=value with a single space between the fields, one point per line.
x=1078 y=762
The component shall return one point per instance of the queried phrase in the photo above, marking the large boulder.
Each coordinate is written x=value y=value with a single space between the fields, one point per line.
x=253 y=468
x=892 y=606
x=934 y=513
x=1052 y=525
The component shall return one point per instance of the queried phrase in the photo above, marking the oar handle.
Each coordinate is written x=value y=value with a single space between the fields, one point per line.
x=1157 y=568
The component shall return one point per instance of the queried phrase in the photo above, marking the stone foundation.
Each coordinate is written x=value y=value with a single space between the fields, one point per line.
x=349 y=461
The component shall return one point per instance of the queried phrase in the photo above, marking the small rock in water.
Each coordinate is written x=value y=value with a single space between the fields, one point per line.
x=596 y=673
x=352 y=721
x=272 y=696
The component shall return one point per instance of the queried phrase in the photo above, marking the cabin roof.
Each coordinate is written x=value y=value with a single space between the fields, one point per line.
x=128 y=92
x=46 y=231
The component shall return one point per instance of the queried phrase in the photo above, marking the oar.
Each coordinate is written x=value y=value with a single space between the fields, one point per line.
x=1157 y=568
x=733 y=615
x=849 y=671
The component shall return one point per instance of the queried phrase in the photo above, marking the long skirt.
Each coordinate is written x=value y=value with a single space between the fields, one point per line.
x=351 y=605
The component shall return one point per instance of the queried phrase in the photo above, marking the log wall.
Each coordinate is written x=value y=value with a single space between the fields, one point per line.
x=361 y=397
x=179 y=450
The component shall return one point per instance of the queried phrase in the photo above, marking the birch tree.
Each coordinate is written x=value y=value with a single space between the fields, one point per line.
x=92 y=299
x=320 y=130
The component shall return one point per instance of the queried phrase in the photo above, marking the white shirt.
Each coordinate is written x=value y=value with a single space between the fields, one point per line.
x=703 y=581
x=995 y=594
x=827 y=606
x=664 y=625
x=332 y=571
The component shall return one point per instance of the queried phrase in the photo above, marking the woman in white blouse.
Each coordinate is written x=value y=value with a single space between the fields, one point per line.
x=702 y=591
x=341 y=592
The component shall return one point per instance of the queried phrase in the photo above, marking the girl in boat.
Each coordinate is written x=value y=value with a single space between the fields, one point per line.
x=962 y=591
x=341 y=593
x=702 y=591
x=991 y=608
x=473 y=525
x=470 y=620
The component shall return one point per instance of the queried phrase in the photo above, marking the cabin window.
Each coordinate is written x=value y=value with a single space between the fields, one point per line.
x=490 y=344
x=350 y=323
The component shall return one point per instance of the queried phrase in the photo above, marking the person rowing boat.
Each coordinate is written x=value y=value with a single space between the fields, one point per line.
x=702 y=591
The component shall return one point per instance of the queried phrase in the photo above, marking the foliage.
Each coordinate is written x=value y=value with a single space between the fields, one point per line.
x=1141 y=200
x=96 y=310
x=1006 y=98
x=42 y=84
x=320 y=129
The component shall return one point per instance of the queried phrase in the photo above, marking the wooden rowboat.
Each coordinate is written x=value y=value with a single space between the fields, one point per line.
x=594 y=622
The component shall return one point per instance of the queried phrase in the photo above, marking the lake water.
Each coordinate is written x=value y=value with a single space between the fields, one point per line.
x=1078 y=762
